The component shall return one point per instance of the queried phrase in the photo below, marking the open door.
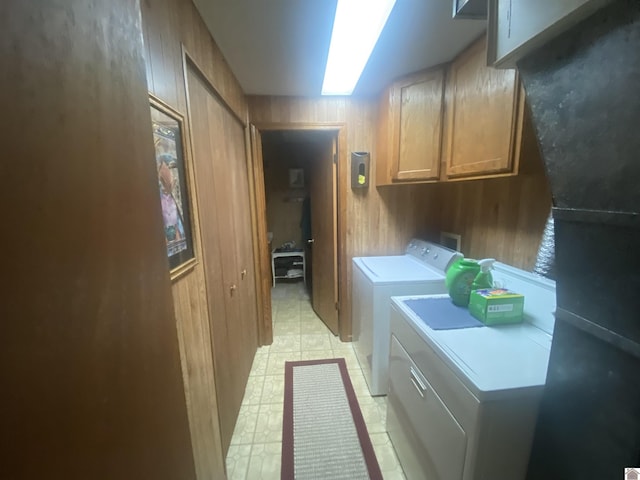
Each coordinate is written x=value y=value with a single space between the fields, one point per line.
x=265 y=327
x=324 y=251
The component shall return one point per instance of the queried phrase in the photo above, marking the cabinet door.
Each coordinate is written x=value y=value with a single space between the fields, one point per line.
x=410 y=120
x=482 y=116
x=420 y=126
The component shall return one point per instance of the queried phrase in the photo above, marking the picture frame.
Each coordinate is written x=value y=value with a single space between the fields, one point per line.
x=296 y=178
x=173 y=184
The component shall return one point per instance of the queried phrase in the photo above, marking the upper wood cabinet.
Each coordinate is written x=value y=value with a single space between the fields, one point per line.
x=458 y=121
x=483 y=117
x=410 y=129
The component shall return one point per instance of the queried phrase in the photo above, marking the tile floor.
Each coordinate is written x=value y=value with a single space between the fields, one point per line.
x=298 y=334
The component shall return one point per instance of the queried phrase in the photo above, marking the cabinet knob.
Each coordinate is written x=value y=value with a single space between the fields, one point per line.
x=311 y=240
x=232 y=289
x=243 y=273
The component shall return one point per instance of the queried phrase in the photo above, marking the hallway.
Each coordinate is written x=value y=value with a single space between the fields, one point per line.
x=298 y=335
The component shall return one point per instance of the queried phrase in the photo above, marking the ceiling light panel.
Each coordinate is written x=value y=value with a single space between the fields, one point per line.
x=356 y=28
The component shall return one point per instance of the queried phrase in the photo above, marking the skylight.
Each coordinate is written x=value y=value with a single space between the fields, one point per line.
x=356 y=29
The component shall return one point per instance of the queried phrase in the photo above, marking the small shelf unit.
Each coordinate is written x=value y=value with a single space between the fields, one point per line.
x=295 y=263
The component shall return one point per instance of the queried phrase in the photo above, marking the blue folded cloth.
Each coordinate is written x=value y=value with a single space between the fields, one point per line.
x=440 y=313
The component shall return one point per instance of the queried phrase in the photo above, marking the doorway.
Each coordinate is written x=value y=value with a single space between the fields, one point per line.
x=300 y=178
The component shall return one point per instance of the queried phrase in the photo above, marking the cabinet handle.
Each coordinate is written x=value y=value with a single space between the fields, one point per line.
x=232 y=289
x=417 y=382
x=243 y=273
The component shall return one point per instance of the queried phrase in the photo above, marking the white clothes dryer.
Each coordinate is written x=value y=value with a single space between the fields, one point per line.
x=420 y=271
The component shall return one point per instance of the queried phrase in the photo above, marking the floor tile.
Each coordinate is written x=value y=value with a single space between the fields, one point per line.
x=253 y=390
x=299 y=334
x=315 y=342
x=386 y=455
x=238 y=458
x=314 y=327
x=351 y=359
x=316 y=355
x=245 y=425
x=273 y=389
x=285 y=343
x=288 y=312
x=374 y=418
x=259 y=366
x=286 y=328
x=337 y=343
x=269 y=424
x=275 y=365
x=308 y=315
x=265 y=461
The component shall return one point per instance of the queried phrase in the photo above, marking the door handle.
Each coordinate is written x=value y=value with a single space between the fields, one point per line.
x=417 y=382
x=243 y=273
x=311 y=240
x=232 y=289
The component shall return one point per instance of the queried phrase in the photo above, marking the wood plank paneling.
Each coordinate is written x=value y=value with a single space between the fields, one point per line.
x=501 y=217
x=374 y=221
x=283 y=210
x=170 y=23
x=91 y=380
x=196 y=355
x=168 y=26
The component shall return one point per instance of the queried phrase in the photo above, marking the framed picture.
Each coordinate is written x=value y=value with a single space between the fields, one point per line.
x=170 y=155
x=296 y=178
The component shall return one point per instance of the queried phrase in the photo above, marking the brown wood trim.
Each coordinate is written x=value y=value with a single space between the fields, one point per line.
x=520 y=109
x=261 y=251
x=255 y=228
x=344 y=263
x=343 y=191
x=325 y=126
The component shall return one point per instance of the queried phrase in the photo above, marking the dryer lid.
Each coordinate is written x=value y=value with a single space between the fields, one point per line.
x=399 y=268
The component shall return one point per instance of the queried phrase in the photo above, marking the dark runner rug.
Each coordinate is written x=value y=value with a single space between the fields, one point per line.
x=323 y=434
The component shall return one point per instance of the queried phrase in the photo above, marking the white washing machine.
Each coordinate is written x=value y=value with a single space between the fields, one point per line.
x=420 y=271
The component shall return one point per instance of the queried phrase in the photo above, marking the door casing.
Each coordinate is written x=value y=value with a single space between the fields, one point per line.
x=340 y=129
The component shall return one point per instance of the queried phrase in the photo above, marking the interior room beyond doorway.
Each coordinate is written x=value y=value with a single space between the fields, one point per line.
x=300 y=179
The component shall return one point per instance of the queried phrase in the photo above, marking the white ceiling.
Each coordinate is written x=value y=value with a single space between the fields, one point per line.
x=279 y=47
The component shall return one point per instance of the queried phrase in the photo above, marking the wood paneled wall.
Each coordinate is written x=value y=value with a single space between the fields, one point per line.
x=378 y=221
x=168 y=25
x=284 y=208
x=502 y=217
x=89 y=360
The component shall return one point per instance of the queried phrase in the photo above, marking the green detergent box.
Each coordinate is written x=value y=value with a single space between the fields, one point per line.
x=495 y=306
